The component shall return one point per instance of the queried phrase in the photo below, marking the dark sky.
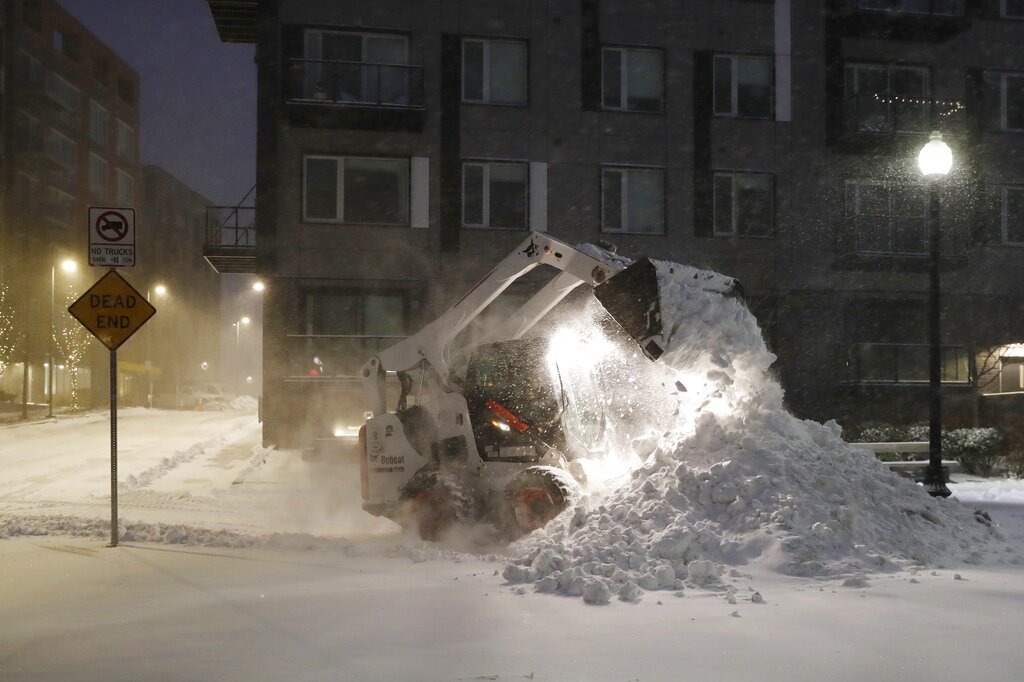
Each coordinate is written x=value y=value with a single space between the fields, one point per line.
x=198 y=95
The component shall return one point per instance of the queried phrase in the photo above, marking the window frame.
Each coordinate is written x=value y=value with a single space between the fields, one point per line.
x=97 y=190
x=485 y=66
x=625 y=171
x=487 y=164
x=121 y=198
x=734 y=94
x=624 y=51
x=1005 y=13
x=734 y=231
x=890 y=216
x=1004 y=204
x=51 y=133
x=339 y=189
x=1003 y=75
x=124 y=151
x=95 y=108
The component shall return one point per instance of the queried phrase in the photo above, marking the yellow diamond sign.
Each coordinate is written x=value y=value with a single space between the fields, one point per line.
x=112 y=310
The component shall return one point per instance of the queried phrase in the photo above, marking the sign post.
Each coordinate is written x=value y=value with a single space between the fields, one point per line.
x=112 y=310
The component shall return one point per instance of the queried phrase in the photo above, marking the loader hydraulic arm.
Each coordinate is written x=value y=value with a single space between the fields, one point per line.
x=430 y=344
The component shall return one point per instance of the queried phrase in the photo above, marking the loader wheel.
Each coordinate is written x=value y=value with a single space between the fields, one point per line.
x=536 y=496
x=432 y=504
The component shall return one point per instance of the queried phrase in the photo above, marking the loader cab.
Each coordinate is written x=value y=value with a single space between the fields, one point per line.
x=522 y=405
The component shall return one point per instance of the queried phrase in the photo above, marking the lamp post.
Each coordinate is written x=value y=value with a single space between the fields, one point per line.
x=238 y=326
x=69 y=266
x=935 y=160
x=160 y=290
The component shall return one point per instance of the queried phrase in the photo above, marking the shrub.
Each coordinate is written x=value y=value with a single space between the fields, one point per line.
x=977 y=450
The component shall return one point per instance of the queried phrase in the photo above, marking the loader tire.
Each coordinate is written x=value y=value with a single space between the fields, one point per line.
x=537 y=495
x=432 y=504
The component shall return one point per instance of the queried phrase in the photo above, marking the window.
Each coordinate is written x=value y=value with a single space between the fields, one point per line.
x=743 y=86
x=61 y=149
x=101 y=70
x=356 y=190
x=30 y=69
x=61 y=205
x=744 y=205
x=494 y=194
x=1011 y=374
x=28 y=130
x=366 y=68
x=1012 y=9
x=882 y=98
x=888 y=218
x=945 y=7
x=633 y=200
x=99 y=122
x=62 y=92
x=1012 y=215
x=26 y=187
x=126 y=91
x=67 y=44
x=631 y=79
x=98 y=176
x=905 y=363
x=357 y=323
x=125 y=185
x=1004 y=100
x=125 y=140
x=494 y=71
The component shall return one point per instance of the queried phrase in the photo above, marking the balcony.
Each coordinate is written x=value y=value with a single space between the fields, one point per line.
x=896 y=124
x=920 y=20
x=357 y=95
x=230 y=245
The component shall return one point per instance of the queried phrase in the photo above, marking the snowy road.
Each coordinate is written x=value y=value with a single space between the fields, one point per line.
x=299 y=584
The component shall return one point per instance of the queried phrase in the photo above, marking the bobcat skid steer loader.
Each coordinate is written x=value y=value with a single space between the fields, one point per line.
x=499 y=440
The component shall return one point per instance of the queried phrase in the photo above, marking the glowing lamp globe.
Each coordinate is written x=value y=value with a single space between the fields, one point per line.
x=935 y=158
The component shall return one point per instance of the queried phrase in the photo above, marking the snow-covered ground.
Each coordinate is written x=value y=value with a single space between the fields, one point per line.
x=240 y=563
x=722 y=538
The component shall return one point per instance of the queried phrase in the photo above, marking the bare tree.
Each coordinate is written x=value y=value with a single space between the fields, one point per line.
x=72 y=342
x=11 y=337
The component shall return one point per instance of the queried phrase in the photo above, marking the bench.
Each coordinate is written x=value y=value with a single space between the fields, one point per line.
x=914 y=469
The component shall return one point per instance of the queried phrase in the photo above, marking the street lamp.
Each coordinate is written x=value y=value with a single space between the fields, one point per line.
x=935 y=160
x=160 y=291
x=68 y=266
x=238 y=326
x=258 y=286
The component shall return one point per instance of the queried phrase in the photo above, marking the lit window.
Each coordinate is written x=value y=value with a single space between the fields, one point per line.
x=1004 y=100
x=494 y=71
x=633 y=200
x=1012 y=205
x=631 y=79
x=356 y=190
x=744 y=205
x=358 y=68
x=888 y=218
x=494 y=194
x=743 y=86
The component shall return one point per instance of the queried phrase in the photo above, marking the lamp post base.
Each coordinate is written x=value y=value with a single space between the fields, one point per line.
x=935 y=484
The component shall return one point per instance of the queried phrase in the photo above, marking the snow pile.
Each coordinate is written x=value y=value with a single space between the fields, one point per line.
x=735 y=478
x=244 y=403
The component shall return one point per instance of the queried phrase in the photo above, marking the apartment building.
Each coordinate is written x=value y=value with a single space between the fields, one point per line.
x=405 y=146
x=69 y=140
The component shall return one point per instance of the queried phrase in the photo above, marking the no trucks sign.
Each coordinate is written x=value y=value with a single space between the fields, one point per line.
x=112 y=237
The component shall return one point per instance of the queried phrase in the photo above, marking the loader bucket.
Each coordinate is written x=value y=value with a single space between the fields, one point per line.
x=633 y=297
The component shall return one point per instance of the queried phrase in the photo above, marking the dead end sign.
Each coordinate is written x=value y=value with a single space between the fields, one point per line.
x=111 y=237
x=112 y=310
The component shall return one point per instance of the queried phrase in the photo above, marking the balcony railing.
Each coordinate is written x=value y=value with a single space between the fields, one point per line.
x=231 y=238
x=904 y=363
x=356 y=84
